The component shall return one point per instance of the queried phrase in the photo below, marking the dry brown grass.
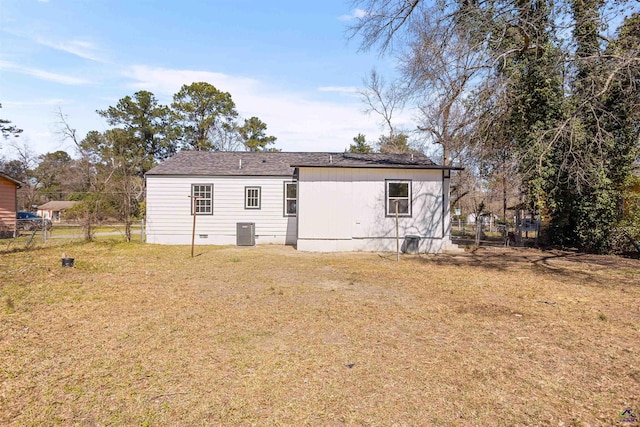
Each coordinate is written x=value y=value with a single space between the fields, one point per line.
x=144 y=335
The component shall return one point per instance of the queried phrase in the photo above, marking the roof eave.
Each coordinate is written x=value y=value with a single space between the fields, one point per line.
x=394 y=166
x=15 y=181
x=215 y=175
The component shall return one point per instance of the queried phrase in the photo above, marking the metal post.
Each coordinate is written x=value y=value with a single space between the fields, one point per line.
x=193 y=231
x=397 y=235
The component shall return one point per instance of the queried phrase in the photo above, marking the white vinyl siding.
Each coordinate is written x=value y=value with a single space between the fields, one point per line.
x=169 y=219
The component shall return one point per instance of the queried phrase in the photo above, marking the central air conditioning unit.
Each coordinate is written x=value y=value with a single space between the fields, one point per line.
x=246 y=234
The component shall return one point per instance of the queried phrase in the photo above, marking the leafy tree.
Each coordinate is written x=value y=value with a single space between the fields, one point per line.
x=204 y=115
x=15 y=169
x=92 y=209
x=360 y=145
x=600 y=137
x=52 y=173
x=395 y=144
x=532 y=103
x=253 y=136
x=8 y=129
x=149 y=125
x=626 y=237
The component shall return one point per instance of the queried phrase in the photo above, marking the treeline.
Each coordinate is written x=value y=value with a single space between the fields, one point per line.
x=539 y=96
x=107 y=171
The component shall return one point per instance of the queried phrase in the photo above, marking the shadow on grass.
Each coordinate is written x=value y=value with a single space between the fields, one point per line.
x=588 y=269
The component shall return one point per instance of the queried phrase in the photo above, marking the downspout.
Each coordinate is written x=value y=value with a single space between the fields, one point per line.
x=15 y=220
x=443 y=208
x=446 y=175
x=296 y=177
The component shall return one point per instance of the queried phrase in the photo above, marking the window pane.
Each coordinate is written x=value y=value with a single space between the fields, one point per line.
x=204 y=200
x=398 y=189
x=252 y=198
x=399 y=192
x=291 y=190
x=291 y=207
x=403 y=206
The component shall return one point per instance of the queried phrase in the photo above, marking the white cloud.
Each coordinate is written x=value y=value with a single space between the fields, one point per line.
x=355 y=14
x=82 y=49
x=300 y=122
x=51 y=101
x=348 y=90
x=41 y=74
x=44 y=134
x=163 y=81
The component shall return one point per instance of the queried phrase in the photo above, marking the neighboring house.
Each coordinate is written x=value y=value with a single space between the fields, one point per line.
x=8 y=204
x=316 y=201
x=486 y=219
x=54 y=210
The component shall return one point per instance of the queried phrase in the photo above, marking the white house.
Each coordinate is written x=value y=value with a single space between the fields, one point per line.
x=316 y=201
x=54 y=210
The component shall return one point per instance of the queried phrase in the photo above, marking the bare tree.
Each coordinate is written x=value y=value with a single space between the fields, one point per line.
x=92 y=190
x=449 y=50
x=382 y=99
x=444 y=73
x=25 y=162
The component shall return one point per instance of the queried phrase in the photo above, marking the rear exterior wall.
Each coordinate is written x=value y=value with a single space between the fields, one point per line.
x=344 y=209
x=169 y=219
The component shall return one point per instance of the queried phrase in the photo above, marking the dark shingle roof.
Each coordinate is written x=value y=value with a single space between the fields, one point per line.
x=242 y=163
x=368 y=160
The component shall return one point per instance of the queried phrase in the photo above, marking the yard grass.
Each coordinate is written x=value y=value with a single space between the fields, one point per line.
x=145 y=335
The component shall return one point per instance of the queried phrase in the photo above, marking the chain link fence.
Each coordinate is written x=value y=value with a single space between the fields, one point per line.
x=490 y=232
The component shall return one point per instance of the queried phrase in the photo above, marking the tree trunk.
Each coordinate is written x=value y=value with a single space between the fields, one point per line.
x=504 y=196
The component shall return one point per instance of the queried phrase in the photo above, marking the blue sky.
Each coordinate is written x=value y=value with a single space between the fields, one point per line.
x=287 y=62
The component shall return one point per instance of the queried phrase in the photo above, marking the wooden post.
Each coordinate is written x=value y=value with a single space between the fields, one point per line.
x=397 y=235
x=193 y=231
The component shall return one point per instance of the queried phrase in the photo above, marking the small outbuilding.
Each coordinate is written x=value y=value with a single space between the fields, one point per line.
x=8 y=204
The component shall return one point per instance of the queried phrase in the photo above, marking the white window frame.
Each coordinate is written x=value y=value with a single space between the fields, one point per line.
x=204 y=195
x=287 y=199
x=390 y=206
x=249 y=199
